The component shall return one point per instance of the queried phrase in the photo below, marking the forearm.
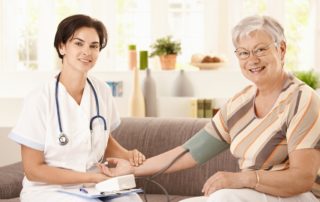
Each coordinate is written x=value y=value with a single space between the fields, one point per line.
x=284 y=183
x=53 y=175
x=299 y=178
x=36 y=169
x=156 y=163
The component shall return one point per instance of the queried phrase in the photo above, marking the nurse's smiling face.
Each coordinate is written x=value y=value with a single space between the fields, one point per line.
x=81 y=51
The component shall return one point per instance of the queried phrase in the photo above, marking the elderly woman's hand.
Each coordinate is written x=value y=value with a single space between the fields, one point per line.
x=115 y=167
x=230 y=180
x=135 y=157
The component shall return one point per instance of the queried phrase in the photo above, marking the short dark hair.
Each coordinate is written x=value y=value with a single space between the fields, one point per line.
x=71 y=24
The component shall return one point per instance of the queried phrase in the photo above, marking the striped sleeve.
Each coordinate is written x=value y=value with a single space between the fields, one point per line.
x=304 y=127
x=218 y=126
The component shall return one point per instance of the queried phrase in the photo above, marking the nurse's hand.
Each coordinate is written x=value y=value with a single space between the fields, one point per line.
x=135 y=157
x=98 y=177
x=116 y=167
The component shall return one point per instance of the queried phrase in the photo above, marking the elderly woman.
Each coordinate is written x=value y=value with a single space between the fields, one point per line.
x=271 y=127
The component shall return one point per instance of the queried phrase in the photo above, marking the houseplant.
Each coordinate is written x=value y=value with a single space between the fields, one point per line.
x=167 y=49
x=309 y=77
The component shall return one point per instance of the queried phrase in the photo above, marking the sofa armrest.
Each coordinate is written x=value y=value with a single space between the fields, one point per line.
x=11 y=180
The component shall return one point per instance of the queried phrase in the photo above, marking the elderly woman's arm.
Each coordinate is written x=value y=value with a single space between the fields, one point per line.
x=299 y=178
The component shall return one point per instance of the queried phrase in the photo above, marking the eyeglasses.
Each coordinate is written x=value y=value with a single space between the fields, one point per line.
x=260 y=51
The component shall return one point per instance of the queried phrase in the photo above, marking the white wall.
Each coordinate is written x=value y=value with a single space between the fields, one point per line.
x=10 y=151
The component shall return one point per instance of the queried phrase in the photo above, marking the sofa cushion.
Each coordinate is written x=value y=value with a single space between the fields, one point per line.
x=10 y=200
x=11 y=180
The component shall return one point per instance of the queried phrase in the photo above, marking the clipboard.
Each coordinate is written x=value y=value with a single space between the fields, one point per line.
x=91 y=192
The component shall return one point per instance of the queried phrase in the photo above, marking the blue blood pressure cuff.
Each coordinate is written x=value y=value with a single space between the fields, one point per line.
x=203 y=146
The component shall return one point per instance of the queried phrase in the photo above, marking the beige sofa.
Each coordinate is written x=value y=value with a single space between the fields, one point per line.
x=151 y=136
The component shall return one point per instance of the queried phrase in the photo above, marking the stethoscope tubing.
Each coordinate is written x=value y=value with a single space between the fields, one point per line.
x=63 y=139
x=97 y=107
x=57 y=103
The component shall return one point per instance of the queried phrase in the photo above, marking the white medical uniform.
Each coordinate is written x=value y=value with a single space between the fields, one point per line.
x=38 y=128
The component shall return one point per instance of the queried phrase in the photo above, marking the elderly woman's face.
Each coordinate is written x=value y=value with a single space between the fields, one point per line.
x=260 y=57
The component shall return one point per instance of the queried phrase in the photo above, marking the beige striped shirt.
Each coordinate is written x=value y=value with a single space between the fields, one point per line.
x=264 y=143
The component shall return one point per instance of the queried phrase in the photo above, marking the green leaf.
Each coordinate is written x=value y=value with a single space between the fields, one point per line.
x=165 y=46
x=308 y=77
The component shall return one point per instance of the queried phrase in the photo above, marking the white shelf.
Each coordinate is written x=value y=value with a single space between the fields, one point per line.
x=170 y=106
x=216 y=84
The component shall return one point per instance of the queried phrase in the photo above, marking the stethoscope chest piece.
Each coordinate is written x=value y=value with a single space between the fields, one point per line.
x=63 y=139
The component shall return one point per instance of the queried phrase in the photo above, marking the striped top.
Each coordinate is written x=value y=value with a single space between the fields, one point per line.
x=264 y=143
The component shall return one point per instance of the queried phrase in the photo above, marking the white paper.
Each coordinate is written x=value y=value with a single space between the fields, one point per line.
x=93 y=193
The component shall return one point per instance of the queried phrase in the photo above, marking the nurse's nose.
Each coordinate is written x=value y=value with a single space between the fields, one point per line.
x=86 y=50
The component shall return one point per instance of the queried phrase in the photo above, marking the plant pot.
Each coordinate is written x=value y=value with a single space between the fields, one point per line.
x=168 y=62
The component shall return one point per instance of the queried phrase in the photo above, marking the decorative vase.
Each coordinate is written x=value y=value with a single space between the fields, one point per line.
x=150 y=95
x=143 y=59
x=183 y=86
x=132 y=56
x=168 y=62
x=137 y=105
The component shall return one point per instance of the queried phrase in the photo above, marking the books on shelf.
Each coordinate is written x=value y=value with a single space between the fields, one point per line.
x=202 y=108
x=207 y=111
x=116 y=88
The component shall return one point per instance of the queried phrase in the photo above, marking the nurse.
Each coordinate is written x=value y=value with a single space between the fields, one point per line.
x=65 y=125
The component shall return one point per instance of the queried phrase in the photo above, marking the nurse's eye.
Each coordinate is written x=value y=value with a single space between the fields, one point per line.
x=78 y=43
x=95 y=46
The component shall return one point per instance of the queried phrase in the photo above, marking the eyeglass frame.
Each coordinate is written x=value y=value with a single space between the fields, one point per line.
x=254 y=51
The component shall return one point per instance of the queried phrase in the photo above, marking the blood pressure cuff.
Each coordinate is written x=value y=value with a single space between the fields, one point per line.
x=203 y=146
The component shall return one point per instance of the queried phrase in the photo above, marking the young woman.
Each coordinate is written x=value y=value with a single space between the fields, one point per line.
x=65 y=125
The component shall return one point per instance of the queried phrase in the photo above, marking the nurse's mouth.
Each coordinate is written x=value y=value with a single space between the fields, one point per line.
x=257 y=69
x=85 y=60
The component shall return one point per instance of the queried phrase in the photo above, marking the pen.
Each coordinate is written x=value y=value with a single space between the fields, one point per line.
x=83 y=190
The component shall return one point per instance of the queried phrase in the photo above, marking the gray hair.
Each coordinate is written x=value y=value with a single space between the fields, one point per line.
x=254 y=23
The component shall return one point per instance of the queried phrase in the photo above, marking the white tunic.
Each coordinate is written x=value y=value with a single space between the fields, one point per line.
x=38 y=128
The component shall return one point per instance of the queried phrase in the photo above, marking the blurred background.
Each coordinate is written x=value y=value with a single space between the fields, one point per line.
x=27 y=29
x=28 y=57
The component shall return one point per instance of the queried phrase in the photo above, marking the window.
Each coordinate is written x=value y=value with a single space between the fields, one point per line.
x=33 y=31
x=297 y=22
x=27 y=34
x=298 y=26
x=133 y=19
x=186 y=23
x=202 y=26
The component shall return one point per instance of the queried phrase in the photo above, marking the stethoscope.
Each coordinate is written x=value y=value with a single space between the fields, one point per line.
x=63 y=138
